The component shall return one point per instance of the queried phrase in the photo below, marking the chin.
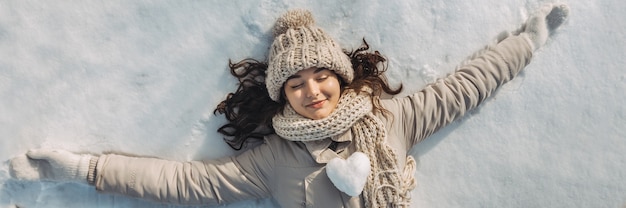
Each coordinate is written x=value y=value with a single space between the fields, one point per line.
x=316 y=117
x=320 y=115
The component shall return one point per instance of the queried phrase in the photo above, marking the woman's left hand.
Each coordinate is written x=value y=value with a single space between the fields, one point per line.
x=541 y=24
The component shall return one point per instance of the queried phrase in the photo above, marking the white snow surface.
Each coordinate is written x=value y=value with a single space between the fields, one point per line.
x=143 y=78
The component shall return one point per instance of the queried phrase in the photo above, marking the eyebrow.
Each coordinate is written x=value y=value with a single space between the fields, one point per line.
x=318 y=70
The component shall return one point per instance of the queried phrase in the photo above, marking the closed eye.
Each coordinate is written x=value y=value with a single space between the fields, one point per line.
x=322 y=78
x=296 y=86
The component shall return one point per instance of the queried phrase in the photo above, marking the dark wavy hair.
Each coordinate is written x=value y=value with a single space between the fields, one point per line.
x=249 y=110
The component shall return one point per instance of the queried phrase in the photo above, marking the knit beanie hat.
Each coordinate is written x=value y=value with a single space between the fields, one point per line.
x=298 y=45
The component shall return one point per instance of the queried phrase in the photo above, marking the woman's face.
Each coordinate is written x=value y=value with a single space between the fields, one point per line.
x=313 y=92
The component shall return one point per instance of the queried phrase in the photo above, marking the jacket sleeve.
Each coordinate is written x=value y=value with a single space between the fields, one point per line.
x=438 y=104
x=209 y=182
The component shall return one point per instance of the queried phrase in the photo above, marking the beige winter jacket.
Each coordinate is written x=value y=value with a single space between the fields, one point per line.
x=293 y=173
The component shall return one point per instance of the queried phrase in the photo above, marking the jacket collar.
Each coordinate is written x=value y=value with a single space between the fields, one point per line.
x=322 y=154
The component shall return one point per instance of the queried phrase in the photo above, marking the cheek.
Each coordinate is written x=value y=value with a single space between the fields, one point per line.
x=292 y=95
x=333 y=87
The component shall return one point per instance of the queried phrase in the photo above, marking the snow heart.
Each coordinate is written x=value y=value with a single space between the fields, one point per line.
x=349 y=175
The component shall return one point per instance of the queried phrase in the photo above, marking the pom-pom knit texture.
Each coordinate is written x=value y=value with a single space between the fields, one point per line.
x=299 y=45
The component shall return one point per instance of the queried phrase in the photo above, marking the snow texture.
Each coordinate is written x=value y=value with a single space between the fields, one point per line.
x=143 y=77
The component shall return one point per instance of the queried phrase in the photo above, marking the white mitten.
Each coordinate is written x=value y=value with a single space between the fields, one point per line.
x=50 y=165
x=541 y=24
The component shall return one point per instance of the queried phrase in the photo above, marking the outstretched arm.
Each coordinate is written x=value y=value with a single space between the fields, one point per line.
x=449 y=98
x=212 y=182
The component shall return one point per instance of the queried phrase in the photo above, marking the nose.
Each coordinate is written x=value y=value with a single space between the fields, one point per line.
x=312 y=90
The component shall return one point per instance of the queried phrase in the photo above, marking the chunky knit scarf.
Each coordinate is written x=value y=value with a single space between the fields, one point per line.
x=386 y=186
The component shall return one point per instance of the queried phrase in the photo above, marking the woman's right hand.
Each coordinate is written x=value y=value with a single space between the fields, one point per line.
x=51 y=165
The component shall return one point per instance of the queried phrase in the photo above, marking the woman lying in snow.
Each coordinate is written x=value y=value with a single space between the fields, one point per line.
x=328 y=138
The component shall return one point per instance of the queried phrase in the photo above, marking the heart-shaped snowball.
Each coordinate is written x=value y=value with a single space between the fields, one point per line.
x=349 y=175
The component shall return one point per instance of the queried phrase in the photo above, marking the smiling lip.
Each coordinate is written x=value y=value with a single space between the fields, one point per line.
x=317 y=104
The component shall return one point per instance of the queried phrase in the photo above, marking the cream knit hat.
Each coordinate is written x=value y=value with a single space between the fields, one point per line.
x=298 y=45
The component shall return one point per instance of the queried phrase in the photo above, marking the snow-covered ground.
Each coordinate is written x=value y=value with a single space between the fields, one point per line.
x=143 y=77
